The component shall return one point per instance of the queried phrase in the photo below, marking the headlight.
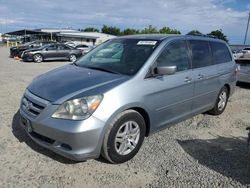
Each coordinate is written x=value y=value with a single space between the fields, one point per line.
x=78 y=109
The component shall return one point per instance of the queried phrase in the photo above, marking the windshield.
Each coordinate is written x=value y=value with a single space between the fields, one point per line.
x=122 y=56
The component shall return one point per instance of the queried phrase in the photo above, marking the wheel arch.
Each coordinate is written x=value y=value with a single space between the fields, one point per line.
x=138 y=108
x=145 y=116
x=228 y=88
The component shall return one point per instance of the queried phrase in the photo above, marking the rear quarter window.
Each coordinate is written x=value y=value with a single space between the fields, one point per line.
x=220 y=52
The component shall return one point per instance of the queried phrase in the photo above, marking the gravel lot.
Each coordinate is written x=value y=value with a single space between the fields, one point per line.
x=205 y=151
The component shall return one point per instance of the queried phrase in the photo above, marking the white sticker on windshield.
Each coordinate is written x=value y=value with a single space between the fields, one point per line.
x=146 y=43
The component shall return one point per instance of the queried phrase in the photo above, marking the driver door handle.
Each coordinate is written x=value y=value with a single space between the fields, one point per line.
x=188 y=79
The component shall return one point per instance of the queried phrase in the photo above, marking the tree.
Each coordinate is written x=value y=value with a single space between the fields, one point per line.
x=91 y=29
x=167 y=30
x=218 y=34
x=130 y=31
x=194 y=32
x=149 y=30
x=111 y=30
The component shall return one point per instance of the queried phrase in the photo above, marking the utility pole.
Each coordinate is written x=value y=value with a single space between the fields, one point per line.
x=247 y=29
x=25 y=36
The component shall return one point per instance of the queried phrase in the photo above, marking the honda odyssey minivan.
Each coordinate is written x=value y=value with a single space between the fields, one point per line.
x=127 y=88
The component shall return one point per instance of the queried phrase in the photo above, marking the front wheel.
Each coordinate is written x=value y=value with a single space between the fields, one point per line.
x=38 y=58
x=124 y=137
x=221 y=102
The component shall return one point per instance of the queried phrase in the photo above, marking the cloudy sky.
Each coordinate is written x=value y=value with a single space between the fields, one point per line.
x=185 y=15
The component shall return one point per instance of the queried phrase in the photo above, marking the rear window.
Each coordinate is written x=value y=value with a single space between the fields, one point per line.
x=220 y=52
x=201 y=55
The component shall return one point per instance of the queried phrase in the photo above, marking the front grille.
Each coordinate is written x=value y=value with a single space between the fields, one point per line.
x=32 y=104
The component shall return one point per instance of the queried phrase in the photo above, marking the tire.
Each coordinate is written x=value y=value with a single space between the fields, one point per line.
x=72 y=57
x=38 y=58
x=119 y=147
x=221 y=102
x=20 y=54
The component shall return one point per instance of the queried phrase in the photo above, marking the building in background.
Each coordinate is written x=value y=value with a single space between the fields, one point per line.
x=61 y=35
x=88 y=38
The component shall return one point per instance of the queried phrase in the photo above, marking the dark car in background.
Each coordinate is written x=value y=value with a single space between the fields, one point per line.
x=55 y=51
x=17 y=50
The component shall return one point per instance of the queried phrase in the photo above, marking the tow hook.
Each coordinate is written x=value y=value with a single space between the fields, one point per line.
x=248 y=140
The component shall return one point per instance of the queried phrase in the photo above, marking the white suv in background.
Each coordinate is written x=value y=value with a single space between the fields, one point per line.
x=246 y=50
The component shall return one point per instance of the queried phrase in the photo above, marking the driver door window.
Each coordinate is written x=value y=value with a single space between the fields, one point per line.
x=175 y=54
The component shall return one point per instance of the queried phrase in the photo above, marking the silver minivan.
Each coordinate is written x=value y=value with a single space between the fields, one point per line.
x=125 y=89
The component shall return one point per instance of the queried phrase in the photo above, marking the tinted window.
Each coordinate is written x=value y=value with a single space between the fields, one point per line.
x=175 y=54
x=81 y=46
x=201 y=55
x=63 y=47
x=220 y=52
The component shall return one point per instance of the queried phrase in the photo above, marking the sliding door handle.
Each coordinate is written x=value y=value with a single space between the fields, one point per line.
x=200 y=76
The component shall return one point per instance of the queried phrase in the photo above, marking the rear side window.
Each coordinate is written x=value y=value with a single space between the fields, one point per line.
x=63 y=47
x=175 y=54
x=201 y=55
x=220 y=52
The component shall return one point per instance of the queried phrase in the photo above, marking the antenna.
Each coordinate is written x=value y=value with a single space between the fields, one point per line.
x=247 y=29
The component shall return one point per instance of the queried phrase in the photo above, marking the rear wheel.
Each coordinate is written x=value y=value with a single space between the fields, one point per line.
x=124 y=137
x=72 y=58
x=221 y=102
x=38 y=58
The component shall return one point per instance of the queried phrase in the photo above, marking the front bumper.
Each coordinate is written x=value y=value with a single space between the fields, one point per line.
x=27 y=57
x=76 y=140
x=13 y=52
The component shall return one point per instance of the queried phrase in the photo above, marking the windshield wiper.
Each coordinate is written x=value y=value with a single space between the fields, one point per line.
x=103 y=69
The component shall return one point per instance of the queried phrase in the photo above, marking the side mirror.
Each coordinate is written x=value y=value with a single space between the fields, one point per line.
x=46 y=49
x=166 y=70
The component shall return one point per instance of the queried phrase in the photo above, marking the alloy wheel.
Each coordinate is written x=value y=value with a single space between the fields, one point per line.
x=222 y=100
x=127 y=138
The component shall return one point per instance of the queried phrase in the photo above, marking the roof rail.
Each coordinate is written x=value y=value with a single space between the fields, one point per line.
x=203 y=35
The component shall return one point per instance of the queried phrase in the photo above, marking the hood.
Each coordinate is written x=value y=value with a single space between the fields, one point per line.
x=33 y=49
x=70 y=81
x=22 y=47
